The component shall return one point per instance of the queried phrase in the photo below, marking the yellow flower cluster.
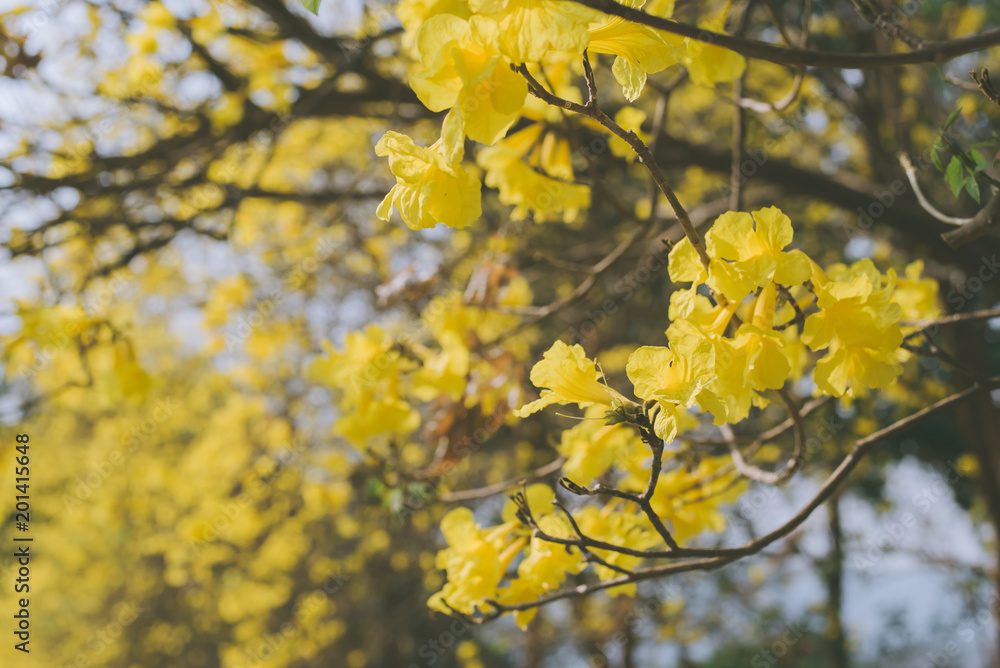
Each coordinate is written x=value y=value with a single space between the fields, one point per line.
x=464 y=57
x=721 y=356
x=381 y=380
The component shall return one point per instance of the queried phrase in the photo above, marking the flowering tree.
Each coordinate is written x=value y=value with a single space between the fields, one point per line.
x=410 y=243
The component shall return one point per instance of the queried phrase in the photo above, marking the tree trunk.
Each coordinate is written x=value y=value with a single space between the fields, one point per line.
x=833 y=572
x=979 y=425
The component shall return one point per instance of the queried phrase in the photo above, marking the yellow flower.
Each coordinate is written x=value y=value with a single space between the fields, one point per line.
x=526 y=29
x=756 y=252
x=429 y=188
x=547 y=195
x=672 y=374
x=640 y=50
x=543 y=569
x=570 y=378
x=729 y=393
x=768 y=366
x=708 y=64
x=372 y=417
x=547 y=563
x=443 y=373
x=368 y=374
x=462 y=72
x=859 y=323
x=368 y=359
x=474 y=564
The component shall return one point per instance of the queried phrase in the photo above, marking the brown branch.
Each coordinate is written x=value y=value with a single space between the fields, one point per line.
x=911 y=174
x=932 y=52
x=985 y=314
x=773 y=432
x=981 y=224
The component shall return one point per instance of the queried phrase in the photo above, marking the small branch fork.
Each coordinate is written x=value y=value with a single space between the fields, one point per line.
x=791 y=466
x=592 y=110
x=643 y=500
x=985 y=85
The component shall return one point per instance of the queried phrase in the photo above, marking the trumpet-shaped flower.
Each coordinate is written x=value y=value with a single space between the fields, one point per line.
x=684 y=264
x=756 y=252
x=640 y=51
x=462 y=71
x=543 y=569
x=569 y=378
x=530 y=192
x=373 y=416
x=368 y=374
x=768 y=366
x=526 y=29
x=729 y=393
x=674 y=374
x=413 y=13
x=859 y=323
x=430 y=189
x=368 y=359
x=474 y=563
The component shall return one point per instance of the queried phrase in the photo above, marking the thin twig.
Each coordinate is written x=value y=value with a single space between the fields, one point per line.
x=794 y=462
x=985 y=85
x=925 y=204
x=496 y=488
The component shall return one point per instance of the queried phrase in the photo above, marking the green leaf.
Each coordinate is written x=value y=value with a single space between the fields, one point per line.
x=955 y=174
x=936 y=159
x=311 y=5
x=978 y=157
x=951 y=119
x=972 y=188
